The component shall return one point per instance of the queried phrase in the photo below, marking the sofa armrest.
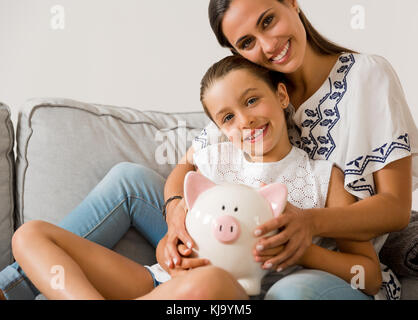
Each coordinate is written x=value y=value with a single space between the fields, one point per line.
x=6 y=185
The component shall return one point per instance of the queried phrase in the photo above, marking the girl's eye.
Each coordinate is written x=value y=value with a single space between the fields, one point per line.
x=251 y=101
x=267 y=21
x=227 y=118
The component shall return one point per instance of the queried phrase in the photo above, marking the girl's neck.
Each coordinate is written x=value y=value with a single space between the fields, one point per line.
x=279 y=153
x=305 y=81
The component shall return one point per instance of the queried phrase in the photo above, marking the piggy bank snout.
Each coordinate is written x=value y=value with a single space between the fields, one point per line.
x=226 y=229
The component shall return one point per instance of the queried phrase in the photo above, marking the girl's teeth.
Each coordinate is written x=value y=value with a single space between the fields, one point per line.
x=259 y=132
x=283 y=53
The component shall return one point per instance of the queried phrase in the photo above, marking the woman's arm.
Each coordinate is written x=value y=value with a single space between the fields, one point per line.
x=175 y=180
x=176 y=210
x=295 y=237
x=387 y=211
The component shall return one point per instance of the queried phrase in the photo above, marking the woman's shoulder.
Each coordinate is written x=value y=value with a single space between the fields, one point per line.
x=370 y=74
x=371 y=64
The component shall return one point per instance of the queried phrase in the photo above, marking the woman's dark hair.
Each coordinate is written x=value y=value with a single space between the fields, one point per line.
x=236 y=62
x=218 y=8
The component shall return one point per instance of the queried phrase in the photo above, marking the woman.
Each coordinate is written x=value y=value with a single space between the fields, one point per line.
x=337 y=96
x=278 y=36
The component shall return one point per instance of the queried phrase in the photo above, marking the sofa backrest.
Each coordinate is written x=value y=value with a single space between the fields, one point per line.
x=6 y=185
x=66 y=147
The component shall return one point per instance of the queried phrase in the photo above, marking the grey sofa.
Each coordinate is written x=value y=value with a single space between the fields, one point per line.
x=65 y=147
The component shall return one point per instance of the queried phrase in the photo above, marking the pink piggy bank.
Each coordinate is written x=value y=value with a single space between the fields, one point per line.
x=222 y=219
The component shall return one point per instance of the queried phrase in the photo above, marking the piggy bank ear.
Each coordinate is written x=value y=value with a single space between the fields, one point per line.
x=276 y=195
x=194 y=185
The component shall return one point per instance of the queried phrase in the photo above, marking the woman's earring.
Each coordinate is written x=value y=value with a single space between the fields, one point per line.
x=298 y=10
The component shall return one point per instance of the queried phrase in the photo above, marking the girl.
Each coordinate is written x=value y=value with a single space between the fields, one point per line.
x=246 y=102
x=350 y=111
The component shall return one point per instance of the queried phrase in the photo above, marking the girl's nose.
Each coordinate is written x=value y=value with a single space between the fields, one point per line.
x=247 y=121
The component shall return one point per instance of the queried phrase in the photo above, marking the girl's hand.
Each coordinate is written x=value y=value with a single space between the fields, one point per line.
x=176 y=233
x=186 y=263
x=295 y=235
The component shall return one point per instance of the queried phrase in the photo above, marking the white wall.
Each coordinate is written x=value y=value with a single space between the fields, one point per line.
x=151 y=54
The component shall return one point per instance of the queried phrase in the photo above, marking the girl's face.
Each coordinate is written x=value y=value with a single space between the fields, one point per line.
x=267 y=32
x=250 y=113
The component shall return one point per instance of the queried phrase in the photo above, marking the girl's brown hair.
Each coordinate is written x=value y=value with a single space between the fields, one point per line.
x=218 y=8
x=235 y=62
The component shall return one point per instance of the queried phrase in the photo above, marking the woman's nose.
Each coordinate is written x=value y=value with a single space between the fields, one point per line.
x=268 y=45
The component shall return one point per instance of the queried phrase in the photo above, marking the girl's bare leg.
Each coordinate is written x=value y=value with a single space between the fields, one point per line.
x=203 y=283
x=87 y=270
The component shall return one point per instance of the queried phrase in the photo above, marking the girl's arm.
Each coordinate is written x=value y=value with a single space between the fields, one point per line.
x=358 y=254
x=355 y=259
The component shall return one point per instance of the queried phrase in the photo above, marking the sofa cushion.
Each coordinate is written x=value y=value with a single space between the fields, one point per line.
x=6 y=185
x=66 y=147
x=409 y=288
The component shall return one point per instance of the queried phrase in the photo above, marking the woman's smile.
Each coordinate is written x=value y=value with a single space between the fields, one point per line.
x=282 y=55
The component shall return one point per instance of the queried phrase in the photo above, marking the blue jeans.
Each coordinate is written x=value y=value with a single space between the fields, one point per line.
x=129 y=195
x=309 y=284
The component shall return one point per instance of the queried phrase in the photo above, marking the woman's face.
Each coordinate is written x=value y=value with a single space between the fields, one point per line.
x=267 y=32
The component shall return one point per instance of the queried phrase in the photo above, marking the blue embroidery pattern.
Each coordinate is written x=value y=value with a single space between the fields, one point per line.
x=380 y=155
x=355 y=186
x=359 y=164
x=202 y=138
x=326 y=114
x=393 y=291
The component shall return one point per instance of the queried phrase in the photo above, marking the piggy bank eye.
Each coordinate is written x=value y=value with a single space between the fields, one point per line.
x=223 y=207
x=236 y=209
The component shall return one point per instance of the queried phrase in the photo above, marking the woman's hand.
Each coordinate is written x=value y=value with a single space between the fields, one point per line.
x=265 y=256
x=287 y=247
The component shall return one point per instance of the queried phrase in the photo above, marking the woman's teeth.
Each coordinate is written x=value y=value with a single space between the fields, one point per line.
x=283 y=53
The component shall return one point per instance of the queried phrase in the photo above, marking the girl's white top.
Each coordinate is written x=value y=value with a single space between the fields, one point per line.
x=359 y=120
x=306 y=180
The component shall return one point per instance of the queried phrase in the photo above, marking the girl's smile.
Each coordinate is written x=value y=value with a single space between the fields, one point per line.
x=257 y=134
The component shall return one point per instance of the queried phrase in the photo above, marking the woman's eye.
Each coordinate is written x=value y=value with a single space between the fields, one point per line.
x=227 y=118
x=251 y=101
x=267 y=21
x=246 y=44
